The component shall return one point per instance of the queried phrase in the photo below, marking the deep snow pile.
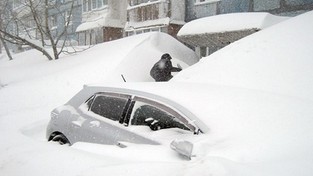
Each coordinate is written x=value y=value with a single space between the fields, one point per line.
x=277 y=59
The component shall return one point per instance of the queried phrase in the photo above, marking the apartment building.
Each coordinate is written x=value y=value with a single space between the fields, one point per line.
x=155 y=15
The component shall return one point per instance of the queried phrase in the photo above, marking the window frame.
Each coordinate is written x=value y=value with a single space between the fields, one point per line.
x=85 y=6
x=94 y=4
x=162 y=107
x=114 y=95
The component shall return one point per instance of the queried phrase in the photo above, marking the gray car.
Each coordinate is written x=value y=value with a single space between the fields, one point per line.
x=117 y=115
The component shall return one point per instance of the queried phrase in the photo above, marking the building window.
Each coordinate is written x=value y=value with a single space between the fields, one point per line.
x=89 y=5
x=54 y=20
x=17 y=3
x=68 y=16
x=99 y=3
x=140 y=31
x=145 y=13
x=84 y=5
x=94 y=4
x=130 y=33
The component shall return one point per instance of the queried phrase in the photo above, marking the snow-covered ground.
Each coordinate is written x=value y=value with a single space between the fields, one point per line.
x=31 y=86
x=276 y=60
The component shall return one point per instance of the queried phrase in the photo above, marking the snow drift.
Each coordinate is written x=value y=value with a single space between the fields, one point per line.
x=277 y=59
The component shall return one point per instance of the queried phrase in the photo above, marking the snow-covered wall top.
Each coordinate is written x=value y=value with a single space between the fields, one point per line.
x=230 y=22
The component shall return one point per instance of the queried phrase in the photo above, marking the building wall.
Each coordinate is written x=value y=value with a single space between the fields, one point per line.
x=59 y=17
x=196 y=10
x=233 y=6
x=178 y=10
x=287 y=7
x=209 y=8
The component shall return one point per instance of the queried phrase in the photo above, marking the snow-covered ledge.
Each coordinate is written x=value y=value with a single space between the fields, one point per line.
x=206 y=2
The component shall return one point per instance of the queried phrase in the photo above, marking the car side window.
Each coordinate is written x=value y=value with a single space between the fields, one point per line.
x=109 y=106
x=154 y=117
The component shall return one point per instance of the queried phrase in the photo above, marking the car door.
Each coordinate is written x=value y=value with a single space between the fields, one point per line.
x=100 y=118
x=156 y=121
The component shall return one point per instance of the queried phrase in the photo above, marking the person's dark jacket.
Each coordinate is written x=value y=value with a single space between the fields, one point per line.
x=161 y=71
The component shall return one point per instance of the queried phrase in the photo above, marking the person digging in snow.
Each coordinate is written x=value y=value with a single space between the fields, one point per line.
x=162 y=70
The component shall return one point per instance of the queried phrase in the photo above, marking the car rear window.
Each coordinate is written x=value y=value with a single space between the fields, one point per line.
x=108 y=106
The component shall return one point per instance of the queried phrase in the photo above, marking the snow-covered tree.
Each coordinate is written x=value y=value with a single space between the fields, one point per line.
x=31 y=24
x=3 y=13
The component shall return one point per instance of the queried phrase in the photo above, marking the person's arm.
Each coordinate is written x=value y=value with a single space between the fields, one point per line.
x=175 y=69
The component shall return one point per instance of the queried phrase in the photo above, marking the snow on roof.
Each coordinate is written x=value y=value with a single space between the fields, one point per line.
x=158 y=22
x=230 y=22
x=102 y=21
x=151 y=23
x=145 y=4
x=96 y=23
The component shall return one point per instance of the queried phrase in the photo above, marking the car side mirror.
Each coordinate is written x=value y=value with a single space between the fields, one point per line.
x=183 y=147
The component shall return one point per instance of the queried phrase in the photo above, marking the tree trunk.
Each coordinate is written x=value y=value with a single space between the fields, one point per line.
x=48 y=33
x=6 y=48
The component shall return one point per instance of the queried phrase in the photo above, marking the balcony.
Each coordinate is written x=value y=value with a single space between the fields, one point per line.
x=146 y=11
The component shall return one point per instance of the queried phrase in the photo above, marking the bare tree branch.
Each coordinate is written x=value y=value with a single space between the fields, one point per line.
x=40 y=13
x=2 y=11
x=26 y=42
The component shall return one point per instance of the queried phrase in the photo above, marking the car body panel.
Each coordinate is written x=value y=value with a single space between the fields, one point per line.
x=78 y=124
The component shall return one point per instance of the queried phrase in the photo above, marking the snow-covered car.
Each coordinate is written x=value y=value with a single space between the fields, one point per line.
x=125 y=113
x=192 y=119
